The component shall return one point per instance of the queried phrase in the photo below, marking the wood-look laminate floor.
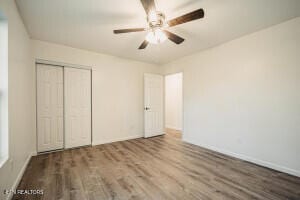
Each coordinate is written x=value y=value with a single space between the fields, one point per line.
x=173 y=132
x=162 y=167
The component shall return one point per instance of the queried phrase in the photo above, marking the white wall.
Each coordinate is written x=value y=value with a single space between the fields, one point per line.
x=117 y=86
x=21 y=95
x=173 y=101
x=243 y=97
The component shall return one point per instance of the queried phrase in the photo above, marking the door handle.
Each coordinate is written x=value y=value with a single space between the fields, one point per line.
x=147 y=108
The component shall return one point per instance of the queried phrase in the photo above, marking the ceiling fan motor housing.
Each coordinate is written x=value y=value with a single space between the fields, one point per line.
x=156 y=19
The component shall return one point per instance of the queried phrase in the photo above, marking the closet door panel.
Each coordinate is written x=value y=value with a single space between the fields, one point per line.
x=49 y=108
x=77 y=107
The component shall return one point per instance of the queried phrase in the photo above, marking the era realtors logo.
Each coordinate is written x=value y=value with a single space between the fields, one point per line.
x=24 y=192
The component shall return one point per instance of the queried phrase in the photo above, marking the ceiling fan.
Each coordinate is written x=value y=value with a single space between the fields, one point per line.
x=157 y=32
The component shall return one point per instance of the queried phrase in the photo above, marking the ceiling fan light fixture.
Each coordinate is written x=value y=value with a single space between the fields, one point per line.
x=157 y=24
x=156 y=36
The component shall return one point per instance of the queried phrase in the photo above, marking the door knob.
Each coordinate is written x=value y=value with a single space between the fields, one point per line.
x=147 y=108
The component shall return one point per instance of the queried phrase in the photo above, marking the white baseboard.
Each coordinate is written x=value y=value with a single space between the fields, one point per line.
x=147 y=135
x=34 y=153
x=20 y=175
x=116 y=139
x=247 y=158
x=174 y=128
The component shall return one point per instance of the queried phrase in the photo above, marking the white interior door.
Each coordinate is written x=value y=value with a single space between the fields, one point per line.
x=153 y=104
x=77 y=107
x=50 y=112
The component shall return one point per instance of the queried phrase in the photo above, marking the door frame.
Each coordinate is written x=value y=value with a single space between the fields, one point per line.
x=60 y=64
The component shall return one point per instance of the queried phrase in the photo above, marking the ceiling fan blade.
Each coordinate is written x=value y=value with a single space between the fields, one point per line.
x=144 y=44
x=197 y=14
x=149 y=5
x=173 y=37
x=129 y=30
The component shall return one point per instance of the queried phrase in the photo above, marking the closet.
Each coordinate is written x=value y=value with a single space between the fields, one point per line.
x=63 y=107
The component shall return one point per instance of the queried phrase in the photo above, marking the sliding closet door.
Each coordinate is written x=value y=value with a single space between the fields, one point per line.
x=50 y=111
x=77 y=89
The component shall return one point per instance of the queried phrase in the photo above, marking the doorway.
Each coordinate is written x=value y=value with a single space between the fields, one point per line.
x=174 y=104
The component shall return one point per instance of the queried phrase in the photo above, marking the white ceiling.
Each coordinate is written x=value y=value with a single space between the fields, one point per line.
x=89 y=24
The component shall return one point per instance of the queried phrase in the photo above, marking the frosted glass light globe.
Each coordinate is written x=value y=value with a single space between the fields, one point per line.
x=156 y=36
